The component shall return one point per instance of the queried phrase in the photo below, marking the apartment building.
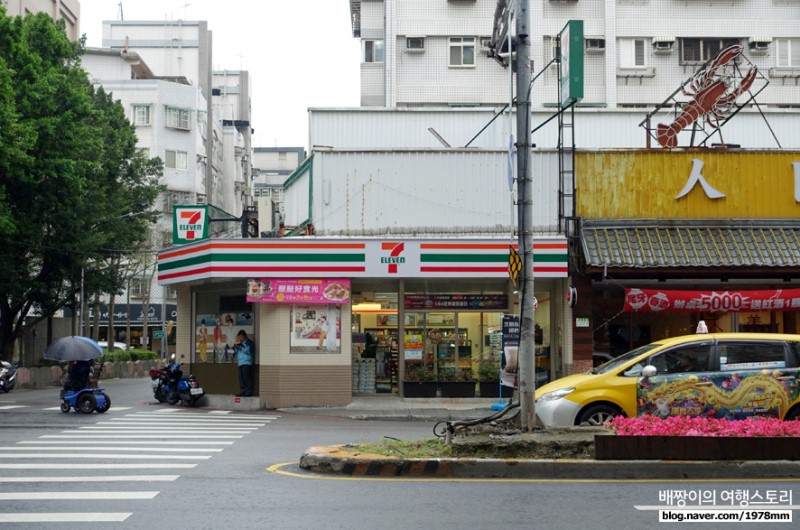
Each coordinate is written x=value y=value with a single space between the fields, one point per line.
x=67 y=10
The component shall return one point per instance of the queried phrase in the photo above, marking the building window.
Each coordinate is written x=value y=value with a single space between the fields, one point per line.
x=139 y=288
x=141 y=114
x=788 y=52
x=632 y=53
x=698 y=51
x=281 y=155
x=177 y=118
x=462 y=51
x=175 y=159
x=373 y=51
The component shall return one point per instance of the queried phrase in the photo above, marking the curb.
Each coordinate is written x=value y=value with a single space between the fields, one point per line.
x=336 y=460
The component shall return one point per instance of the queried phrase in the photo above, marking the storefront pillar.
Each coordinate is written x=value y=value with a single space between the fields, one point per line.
x=581 y=327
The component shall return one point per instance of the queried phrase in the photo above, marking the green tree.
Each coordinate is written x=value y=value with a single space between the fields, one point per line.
x=74 y=191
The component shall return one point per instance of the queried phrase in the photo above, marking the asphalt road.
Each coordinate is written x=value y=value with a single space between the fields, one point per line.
x=231 y=470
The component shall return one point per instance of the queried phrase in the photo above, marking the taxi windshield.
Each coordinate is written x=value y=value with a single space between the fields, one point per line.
x=623 y=359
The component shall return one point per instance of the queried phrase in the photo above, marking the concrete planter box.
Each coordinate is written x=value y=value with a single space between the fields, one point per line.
x=696 y=448
x=492 y=390
x=419 y=389
x=457 y=388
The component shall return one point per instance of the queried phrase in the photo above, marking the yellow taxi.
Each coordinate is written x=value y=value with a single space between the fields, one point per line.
x=725 y=375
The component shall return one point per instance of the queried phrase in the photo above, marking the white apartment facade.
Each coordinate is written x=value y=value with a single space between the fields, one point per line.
x=417 y=53
x=67 y=10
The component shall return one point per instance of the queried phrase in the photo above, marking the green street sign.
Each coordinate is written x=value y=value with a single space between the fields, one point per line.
x=158 y=334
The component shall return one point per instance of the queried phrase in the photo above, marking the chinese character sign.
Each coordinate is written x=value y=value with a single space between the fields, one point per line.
x=651 y=300
x=293 y=291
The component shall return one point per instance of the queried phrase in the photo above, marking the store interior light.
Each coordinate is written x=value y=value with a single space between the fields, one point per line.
x=366 y=307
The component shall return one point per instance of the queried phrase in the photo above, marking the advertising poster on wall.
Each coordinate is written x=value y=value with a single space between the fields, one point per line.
x=510 y=361
x=316 y=329
x=215 y=335
x=298 y=291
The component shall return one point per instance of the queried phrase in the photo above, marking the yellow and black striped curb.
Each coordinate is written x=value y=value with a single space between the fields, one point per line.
x=338 y=460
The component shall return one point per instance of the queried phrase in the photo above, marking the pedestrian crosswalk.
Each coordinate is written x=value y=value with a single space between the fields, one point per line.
x=151 y=447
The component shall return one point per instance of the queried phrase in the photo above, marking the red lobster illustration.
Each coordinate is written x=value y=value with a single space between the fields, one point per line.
x=711 y=96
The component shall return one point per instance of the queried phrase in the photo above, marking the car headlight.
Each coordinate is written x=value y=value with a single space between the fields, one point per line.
x=556 y=394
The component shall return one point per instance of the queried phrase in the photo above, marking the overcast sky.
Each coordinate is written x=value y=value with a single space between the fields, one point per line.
x=300 y=53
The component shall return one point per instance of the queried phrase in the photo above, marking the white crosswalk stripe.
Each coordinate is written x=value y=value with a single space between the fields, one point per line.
x=165 y=441
x=9 y=407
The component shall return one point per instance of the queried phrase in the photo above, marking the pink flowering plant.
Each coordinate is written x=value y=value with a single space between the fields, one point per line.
x=699 y=426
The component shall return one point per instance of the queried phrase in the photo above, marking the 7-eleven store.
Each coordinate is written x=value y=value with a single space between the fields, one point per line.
x=309 y=303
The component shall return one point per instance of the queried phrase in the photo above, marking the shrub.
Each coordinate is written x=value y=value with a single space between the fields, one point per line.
x=699 y=426
x=419 y=373
x=489 y=372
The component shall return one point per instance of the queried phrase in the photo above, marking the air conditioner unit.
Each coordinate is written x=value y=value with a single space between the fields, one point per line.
x=595 y=45
x=663 y=46
x=415 y=44
x=759 y=46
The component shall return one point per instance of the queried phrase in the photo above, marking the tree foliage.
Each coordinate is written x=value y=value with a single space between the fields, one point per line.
x=75 y=192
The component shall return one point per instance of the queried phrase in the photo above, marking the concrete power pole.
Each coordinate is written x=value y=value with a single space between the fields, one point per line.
x=527 y=348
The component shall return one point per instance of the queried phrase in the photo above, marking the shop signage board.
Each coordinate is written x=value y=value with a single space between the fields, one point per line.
x=654 y=300
x=299 y=291
x=312 y=257
x=455 y=302
x=122 y=312
x=189 y=224
x=571 y=62
x=657 y=184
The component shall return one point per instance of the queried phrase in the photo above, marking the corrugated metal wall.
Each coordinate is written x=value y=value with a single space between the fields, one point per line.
x=425 y=192
x=594 y=129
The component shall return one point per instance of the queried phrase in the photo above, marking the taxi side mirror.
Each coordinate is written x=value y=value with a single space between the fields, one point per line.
x=647 y=372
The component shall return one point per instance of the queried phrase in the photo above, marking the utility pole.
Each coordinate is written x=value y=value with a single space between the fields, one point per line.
x=527 y=348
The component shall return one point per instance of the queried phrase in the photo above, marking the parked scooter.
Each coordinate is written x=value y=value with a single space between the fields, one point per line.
x=170 y=386
x=8 y=376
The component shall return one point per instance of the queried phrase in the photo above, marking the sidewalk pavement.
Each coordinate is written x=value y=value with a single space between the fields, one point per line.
x=337 y=460
x=392 y=408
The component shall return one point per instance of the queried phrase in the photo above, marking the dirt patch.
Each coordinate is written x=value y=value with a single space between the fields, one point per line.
x=504 y=442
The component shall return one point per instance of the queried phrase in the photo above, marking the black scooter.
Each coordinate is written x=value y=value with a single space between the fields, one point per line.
x=8 y=376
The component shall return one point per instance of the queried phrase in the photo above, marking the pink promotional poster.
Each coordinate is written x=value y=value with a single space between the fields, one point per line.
x=294 y=291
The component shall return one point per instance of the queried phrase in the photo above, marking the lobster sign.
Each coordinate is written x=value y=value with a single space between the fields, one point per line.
x=714 y=90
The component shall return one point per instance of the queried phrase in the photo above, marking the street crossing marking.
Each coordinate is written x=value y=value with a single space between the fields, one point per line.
x=71 y=517
x=78 y=495
x=117 y=448
x=165 y=441
x=123 y=456
x=9 y=407
x=112 y=409
x=86 y=436
x=155 y=442
x=101 y=478
x=55 y=465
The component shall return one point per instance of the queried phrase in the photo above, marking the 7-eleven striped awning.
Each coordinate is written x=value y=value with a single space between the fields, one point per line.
x=314 y=257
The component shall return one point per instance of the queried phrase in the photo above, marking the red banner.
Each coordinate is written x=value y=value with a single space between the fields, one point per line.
x=656 y=301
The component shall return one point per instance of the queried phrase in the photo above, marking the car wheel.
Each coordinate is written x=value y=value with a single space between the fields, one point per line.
x=87 y=403
x=793 y=414
x=598 y=415
x=64 y=406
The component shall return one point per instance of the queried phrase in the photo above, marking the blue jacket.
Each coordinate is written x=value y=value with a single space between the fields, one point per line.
x=245 y=352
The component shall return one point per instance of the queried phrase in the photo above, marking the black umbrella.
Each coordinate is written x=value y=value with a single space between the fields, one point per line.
x=73 y=349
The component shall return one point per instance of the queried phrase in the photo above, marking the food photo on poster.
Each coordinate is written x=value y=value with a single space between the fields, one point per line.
x=316 y=329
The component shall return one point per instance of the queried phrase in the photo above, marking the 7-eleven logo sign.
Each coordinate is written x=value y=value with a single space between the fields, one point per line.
x=189 y=223
x=394 y=258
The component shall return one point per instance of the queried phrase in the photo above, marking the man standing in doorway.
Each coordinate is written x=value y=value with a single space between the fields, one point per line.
x=245 y=350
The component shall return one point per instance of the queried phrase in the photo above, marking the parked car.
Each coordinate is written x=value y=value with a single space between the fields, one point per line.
x=117 y=345
x=732 y=375
x=600 y=357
